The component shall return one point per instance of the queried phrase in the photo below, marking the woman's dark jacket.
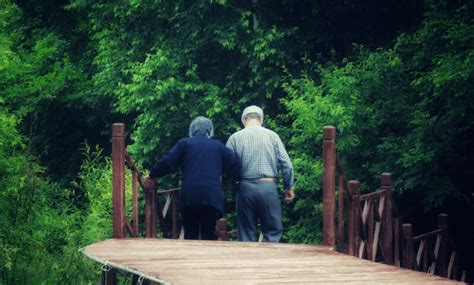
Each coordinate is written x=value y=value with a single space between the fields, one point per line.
x=202 y=161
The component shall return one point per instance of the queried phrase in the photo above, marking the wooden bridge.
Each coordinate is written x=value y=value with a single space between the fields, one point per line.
x=364 y=241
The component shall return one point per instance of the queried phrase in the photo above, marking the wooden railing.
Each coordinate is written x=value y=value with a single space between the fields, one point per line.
x=222 y=232
x=432 y=252
x=368 y=225
x=157 y=203
x=374 y=230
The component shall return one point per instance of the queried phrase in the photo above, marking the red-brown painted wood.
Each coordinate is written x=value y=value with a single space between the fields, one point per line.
x=340 y=212
x=150 y=222
x=354 y=222
x=118 y=192
x=378 y=225
x=129 y=229
x=118 y=170
x=396 y=242
x=372 y=195
x=387 y=222
x=370 y=231
x=329 y=176
x=407 y=246
x=174 y=227
x=135 y=202
x=420 y=254
x=425 y=260
x=452 y=260
x=221 y=229
x=154 y=217
x=427 y=235
x=444 y=246
x=132 y=167
x=350 y=226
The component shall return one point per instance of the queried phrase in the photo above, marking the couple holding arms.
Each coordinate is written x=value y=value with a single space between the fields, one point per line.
x=252 y=155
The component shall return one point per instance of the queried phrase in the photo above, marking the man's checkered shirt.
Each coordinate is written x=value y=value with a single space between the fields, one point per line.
x=261 y=152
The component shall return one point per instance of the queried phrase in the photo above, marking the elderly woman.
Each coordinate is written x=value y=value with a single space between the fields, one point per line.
x=202 y=161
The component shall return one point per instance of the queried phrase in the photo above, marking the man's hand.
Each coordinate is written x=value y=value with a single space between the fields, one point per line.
x=289 y=195
x=149 y=184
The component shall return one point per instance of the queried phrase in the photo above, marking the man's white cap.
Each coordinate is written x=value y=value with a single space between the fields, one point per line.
x=252 y=109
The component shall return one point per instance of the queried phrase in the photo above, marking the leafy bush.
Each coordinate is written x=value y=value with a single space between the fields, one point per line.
x=41 y=227
x=37 y=218
x=406 y=110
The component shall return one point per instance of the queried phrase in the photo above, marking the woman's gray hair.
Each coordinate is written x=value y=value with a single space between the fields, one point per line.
x=201 y=125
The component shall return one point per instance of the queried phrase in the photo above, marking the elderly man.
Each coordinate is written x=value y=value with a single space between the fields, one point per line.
x=202 y=161
x=261 y=153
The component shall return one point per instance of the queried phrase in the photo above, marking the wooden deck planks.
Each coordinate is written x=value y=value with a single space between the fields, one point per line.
x=209 y=262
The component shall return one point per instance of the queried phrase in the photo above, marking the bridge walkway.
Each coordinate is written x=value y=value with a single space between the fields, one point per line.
x=168 y=261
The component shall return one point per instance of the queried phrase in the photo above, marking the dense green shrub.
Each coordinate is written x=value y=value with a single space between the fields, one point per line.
x=406 y=110
x=37 y=219
x=41 y=227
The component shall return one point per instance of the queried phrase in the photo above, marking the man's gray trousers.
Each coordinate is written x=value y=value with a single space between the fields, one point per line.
x=258 y=201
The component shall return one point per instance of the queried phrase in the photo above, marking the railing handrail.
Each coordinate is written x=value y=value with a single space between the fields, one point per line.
x=167 y=191
x=372 y=195
x=121 y=158
x=132 y=166
x=428 y=234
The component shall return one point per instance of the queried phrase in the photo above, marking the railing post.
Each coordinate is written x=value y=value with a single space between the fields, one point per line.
x=135 y=202
x=370 y=229
x=443 y=250
x=329 y=185
x=387 y=223
x=396 y=243
x=407 y=246
x=340 y=212
x=150 y=213
x=118 y=170
x=154 y=216
x=221 y=229
x=354 y=218
x=174 y=227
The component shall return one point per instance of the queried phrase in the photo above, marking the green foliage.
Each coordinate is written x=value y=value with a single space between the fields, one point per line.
x=205 y=59
x=443 y=117
x=41 y=230
x=37 y=218
x=35 y=69
x=410 y=105
x=346 y=97
x=95 y=181
x=46 y=87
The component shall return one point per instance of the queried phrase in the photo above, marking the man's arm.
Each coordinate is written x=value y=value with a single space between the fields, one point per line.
x=231 y=144
x=286 y=170
x=230 y=162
